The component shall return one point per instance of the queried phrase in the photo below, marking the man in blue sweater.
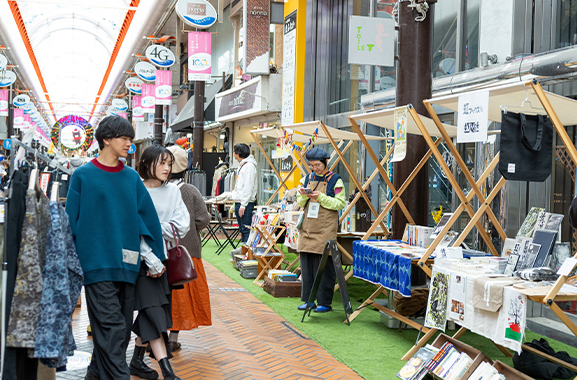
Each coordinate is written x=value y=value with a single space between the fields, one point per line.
x=110 y=209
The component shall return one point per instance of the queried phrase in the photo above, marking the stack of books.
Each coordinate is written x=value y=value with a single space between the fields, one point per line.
x=445 y=363
x=486 y=371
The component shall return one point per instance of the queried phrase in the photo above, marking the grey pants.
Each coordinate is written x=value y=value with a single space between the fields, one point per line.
x=110 y=311
x=310 y=263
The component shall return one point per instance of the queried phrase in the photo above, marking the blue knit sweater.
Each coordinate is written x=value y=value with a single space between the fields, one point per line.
x=109 y=210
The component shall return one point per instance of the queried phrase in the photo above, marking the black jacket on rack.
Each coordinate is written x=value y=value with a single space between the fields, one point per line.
x=17 y=364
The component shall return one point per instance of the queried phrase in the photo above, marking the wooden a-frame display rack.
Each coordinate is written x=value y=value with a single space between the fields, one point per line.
x=561 y=113
x=324 y=135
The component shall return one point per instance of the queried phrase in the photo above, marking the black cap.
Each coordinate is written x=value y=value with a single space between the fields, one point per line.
x=317 y=154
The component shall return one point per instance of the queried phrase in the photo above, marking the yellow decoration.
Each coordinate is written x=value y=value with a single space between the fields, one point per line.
x=437 y=214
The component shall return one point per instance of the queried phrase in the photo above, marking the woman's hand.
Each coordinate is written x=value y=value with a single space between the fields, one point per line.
x=314 y=195
x=156 y=275
x=301 y=191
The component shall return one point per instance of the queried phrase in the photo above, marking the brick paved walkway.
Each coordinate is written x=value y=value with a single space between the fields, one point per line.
x=246 y=341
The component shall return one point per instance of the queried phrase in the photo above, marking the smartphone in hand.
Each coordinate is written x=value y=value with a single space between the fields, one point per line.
x=308 y=190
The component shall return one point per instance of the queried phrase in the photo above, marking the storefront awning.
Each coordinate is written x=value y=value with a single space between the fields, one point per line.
x=185 y=119
x=386 y=119
x=512 y=97
x=338 y=134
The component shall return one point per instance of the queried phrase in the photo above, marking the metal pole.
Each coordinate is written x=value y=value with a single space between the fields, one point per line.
x=129 y=116
x=198 y=130
x=158 y=122
x=413 y=86
x=10 y=119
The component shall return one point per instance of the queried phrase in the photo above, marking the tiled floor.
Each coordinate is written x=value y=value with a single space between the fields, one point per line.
x=246 y=341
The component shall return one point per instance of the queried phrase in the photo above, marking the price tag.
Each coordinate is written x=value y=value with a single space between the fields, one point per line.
x=567 y=266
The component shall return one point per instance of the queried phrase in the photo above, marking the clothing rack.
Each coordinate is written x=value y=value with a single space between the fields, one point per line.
x=52 y=162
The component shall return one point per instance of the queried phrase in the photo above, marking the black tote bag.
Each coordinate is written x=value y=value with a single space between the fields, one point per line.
x=526 y=147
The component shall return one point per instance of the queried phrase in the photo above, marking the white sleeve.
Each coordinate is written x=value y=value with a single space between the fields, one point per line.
x=153 y=263
x=249 y=184
x=180 y=218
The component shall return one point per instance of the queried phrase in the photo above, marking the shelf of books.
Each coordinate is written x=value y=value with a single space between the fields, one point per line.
x=450 y=359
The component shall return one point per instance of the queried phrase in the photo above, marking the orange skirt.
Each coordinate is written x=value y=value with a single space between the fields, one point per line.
x=191 y=305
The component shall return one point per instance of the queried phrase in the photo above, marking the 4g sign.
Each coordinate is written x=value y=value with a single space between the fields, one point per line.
x=160 y=55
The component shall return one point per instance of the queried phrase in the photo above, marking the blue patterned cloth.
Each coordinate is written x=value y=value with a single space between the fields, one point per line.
x=63 y=279
x=379 y=266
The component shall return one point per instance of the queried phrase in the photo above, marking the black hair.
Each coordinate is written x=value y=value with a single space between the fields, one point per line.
x=322 y=160
x=150 y=158
x=112 y=127
x=242 y=150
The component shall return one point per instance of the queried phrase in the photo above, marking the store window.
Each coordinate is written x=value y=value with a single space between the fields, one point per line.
x=567 y=24
x=385 y=76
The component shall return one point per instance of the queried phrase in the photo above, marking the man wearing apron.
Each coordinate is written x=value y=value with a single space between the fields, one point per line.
x=322 y=195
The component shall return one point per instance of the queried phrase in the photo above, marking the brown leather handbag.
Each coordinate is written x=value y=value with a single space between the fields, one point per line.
x=180 y=267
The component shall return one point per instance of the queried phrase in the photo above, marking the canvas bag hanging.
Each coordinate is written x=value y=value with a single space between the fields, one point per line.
x=180 y=268
x=526 y=147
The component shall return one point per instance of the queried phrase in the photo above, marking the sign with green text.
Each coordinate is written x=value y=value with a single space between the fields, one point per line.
x=371 y=41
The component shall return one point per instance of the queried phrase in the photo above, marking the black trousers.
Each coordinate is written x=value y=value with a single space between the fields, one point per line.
x=110 y=311
x=310 y=263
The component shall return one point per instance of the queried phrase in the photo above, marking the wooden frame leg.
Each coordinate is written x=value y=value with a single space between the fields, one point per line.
x=368 y=301
x=419 y=344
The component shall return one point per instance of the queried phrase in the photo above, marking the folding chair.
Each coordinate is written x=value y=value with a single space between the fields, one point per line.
x=211 y=233
x=230 y=239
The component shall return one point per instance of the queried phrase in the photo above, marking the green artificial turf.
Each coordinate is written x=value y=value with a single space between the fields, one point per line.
x=367 y=346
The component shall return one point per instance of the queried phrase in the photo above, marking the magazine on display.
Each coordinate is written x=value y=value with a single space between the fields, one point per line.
x=528 y=225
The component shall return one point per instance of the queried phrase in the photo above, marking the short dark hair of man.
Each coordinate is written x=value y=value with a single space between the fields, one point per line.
x=151 y=156
x=242 y=150
x=112 y=127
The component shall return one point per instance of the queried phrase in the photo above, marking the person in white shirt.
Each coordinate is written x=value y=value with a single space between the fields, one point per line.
x=152 y=292
x=244 y=191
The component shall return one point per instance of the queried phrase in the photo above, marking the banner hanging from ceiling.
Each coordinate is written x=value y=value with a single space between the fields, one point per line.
x=199 y=56
x=163 y=88
x=137 y=112
x=256 y=44
x=3 y=102
x=371 y=41
x=18 y=118
x=148 y=99
x=134 y=85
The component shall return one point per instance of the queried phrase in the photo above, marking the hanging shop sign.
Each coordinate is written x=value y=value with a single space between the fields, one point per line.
x=288 y=74
x=29 y=109
x=7 y=78
x=163 y=89
x=400 y=134
x=3 y=62
x=473 y=116
x=20 y=100
x=137 y=112
x=3 y=102
x=134 y=85
x=73 y=133
x=18 y=118
x=371 y=41
x=160 y=55
x=27 y=123
x=196 y=13
x=199 y=56
x=119 y=104
x=145 y=71
x=256 y=45
x=148 y=98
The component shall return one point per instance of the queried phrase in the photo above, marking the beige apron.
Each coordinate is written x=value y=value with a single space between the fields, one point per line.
x=315 y=233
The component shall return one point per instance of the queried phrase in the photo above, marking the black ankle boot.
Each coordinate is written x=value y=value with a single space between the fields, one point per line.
x=138 y=367
x=167 y=371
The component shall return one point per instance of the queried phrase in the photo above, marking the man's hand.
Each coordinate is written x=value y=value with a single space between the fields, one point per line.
x=241 y=211
x=156 y=275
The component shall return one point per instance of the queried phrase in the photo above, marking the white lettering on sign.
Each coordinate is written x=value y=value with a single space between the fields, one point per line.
x=473 y=117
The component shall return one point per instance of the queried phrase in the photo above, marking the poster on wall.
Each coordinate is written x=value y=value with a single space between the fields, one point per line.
x=371 y=41
x=288 y=75
x=400 y=135
x=3 y=102
x=256 y=44
x=199 y=56
x=163 y=89
x=472 y=121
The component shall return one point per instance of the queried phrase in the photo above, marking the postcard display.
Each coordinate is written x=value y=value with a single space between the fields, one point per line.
x=514 y=297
